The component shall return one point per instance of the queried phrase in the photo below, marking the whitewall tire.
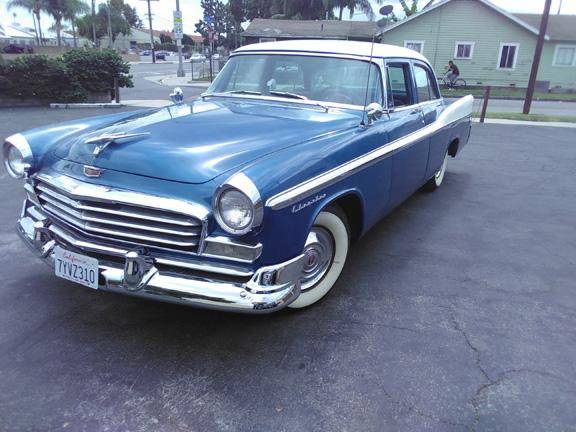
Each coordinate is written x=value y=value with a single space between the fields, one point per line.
x=325 y=254
x=438 y=177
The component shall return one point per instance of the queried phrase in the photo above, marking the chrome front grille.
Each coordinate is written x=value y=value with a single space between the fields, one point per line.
x=121 y=216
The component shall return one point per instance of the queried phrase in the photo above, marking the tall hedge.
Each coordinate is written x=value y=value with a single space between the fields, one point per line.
x=95 y=70
x=69 y=78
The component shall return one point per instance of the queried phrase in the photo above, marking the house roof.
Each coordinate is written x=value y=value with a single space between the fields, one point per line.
x=345 y=47
x=510 y=16
x=316 y=29
x=560 y=27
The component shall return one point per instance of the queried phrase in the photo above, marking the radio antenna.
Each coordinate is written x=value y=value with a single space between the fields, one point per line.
x=381 y=23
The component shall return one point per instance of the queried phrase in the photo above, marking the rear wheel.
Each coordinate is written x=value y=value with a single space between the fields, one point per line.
x=436 y=180
x=460 y=83
x=325 y=253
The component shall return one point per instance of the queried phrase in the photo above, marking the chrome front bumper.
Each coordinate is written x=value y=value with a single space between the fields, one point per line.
x=136 y=273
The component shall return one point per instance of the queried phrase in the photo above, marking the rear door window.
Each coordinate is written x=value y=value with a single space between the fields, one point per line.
x=399 y=84
x=425 y=87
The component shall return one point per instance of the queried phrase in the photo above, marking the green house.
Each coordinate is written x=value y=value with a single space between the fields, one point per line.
x=489 y=45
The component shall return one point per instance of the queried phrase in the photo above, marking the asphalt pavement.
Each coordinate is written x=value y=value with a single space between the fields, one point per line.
x=455 y=313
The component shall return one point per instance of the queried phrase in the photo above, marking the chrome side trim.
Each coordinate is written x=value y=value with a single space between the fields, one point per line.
x=454 y=112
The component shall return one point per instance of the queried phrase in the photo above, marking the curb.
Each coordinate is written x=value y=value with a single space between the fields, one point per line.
x=481 y=97
x=86 y=105
x=525 y=123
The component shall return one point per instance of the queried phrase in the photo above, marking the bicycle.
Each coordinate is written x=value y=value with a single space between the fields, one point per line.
x=447 y=84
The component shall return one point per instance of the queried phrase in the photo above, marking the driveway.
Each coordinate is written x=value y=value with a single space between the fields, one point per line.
x=457 y=312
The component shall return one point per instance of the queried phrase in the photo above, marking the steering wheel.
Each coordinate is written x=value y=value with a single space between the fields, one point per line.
x=335 y=95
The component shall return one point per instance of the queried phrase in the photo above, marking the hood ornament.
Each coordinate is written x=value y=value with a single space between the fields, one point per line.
x=102 y=141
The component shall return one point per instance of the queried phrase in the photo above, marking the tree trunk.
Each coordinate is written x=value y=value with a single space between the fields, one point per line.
x=35 y=29
x=340 y=13
x=58 y=30
x=40 y=28
x=74 y=33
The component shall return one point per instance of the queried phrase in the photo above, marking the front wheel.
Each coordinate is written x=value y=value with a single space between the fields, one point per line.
x=325 y=253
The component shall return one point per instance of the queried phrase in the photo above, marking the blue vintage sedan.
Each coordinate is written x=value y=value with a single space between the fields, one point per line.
x=248 y=198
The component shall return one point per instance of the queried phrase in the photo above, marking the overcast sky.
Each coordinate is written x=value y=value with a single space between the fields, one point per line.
x=192 y=12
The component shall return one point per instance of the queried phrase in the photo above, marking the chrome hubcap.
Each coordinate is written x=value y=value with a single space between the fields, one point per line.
x=318 y=256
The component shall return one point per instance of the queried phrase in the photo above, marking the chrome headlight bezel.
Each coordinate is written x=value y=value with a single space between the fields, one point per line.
x=20 y=143
x=241 y=183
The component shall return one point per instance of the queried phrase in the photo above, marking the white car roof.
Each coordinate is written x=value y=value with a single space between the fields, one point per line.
x=334 y=47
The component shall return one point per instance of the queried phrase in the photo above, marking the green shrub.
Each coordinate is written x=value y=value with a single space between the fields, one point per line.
x=40 y=77
x=95 y=70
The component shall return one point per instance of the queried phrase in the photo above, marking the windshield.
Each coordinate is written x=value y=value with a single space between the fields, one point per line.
x=323 y=79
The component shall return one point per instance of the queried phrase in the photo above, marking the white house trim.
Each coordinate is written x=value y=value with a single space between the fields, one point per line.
x=556 y=54
x=472 y=44
x=421 y=42
x=485 y=2
x=502 y=45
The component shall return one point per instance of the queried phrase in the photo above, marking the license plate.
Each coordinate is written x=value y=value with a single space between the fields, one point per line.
x=76 y=268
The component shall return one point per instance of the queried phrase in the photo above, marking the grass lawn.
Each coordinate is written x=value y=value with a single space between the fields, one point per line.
x=529 y=117
x=509 y=93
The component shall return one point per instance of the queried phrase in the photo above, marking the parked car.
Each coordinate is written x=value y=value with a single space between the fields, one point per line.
x=197 y=58
x=146 y=53
x=18 y=49
x=246 y=199
x=160 y=55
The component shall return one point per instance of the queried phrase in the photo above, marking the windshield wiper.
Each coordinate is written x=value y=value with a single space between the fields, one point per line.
x=252 y=92
x=287 y=94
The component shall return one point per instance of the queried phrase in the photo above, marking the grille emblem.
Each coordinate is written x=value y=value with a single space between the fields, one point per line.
x=90 y=171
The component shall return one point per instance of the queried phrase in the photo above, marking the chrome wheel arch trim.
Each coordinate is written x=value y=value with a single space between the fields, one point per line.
x=451 y=114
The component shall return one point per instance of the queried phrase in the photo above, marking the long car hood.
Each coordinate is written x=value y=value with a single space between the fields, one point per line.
x=196 y=142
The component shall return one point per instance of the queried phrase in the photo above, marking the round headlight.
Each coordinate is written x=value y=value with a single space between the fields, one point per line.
x=17 y=155
x=235 y=211
x=14 y=161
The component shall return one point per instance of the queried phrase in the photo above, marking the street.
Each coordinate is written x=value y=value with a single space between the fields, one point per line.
x=457 y=312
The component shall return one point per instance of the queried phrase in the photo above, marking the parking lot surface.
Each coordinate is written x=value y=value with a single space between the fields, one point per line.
x=457 y=312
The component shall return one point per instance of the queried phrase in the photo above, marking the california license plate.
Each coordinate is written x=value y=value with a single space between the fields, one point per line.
x=76 y=268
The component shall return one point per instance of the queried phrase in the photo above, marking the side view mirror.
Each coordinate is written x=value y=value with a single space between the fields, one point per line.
x=374 y=111
x=177 y=95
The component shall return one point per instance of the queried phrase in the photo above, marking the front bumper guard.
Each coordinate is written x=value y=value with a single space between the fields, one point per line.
x=269 y=288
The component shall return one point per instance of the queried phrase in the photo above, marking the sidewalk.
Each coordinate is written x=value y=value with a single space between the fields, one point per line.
x=174 y=81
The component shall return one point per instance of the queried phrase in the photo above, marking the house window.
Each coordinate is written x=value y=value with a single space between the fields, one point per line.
x=464 y=50
x=565 y=55
x=417 y=46
x=508 y=55
x=265 y=39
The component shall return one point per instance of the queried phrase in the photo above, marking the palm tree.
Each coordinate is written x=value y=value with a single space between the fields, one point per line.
x=34 y=7
x=73 y=9
x=58 y=9
x=352 y=5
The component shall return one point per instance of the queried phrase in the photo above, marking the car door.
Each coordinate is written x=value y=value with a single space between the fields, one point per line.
x=432 y=106
x=409 y=162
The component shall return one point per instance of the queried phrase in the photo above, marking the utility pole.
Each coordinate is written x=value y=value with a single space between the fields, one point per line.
x=94 y=22
x=178 y=31
x=109 y=25
x=537 y=55
x=151 y=33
